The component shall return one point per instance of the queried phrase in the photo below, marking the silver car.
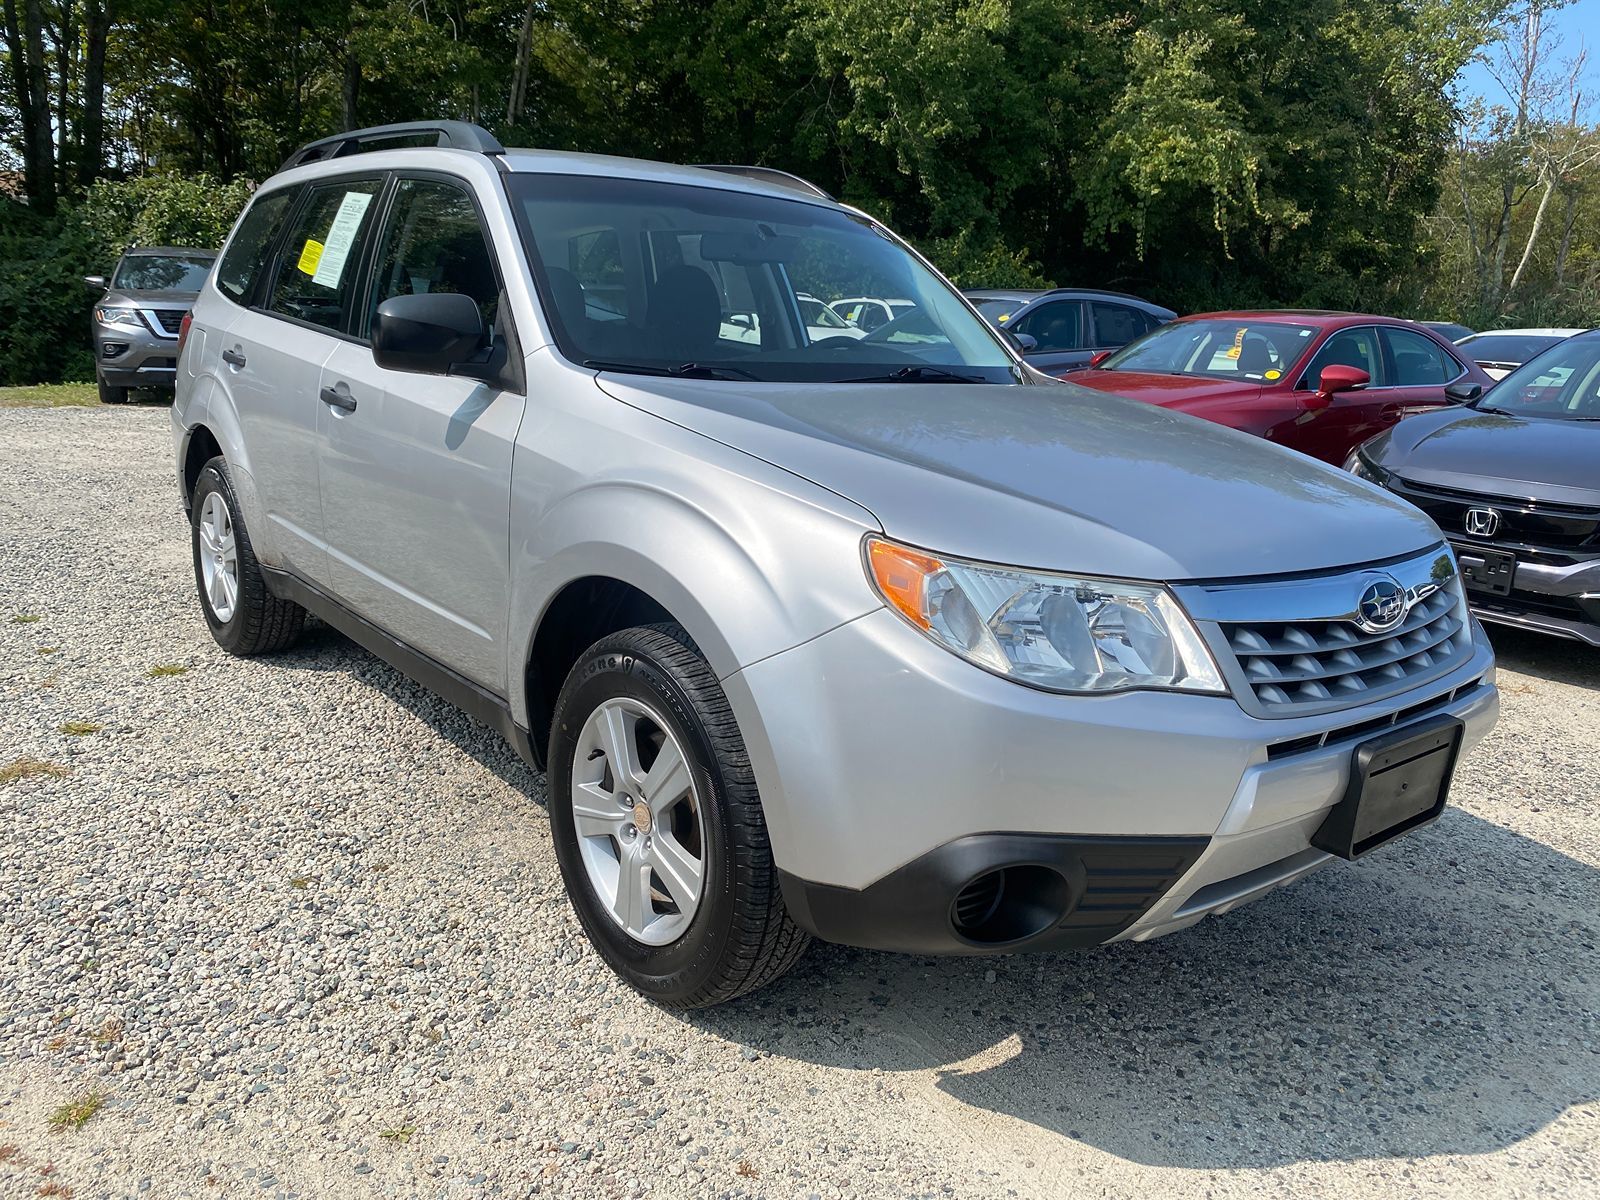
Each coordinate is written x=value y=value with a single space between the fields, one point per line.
x=896 y=643
x=140 y=314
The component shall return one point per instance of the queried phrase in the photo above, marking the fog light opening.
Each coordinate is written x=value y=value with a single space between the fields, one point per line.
x=1009 y=904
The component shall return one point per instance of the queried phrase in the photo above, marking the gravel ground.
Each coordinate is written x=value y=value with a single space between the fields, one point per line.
x=298 y=928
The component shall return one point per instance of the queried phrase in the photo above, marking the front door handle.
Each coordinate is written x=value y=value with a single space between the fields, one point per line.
x=337 y=399
x=234 y=358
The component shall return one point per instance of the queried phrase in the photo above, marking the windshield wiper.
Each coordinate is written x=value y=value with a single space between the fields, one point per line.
x=693 y=370
x=918 y=374
x=688 y=370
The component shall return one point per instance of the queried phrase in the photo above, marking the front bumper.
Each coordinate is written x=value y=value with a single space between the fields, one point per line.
x=1555 y=592
x=893 y=774
x=135 y=357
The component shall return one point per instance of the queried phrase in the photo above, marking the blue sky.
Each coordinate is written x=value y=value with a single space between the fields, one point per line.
x=1579 y=26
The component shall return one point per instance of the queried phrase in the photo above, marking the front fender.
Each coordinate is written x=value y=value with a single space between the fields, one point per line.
x=750 y=560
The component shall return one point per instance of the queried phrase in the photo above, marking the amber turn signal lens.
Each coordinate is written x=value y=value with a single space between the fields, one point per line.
x=902 y=577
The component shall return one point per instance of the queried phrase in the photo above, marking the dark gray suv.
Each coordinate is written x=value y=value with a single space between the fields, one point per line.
x=137 y=321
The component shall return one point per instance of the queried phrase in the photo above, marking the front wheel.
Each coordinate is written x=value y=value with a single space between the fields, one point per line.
x=110 y=394
x=658 y=826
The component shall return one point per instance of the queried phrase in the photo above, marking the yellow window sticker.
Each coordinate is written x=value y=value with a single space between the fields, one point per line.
x=1238 y=344
x=1273 y=375
x=310 y=256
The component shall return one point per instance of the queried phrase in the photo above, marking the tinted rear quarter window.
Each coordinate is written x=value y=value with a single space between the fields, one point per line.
x=252 y=242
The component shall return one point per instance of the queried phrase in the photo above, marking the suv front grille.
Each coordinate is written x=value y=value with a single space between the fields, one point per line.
x=1293 y=647
x=1525 y=522
x=171 y=319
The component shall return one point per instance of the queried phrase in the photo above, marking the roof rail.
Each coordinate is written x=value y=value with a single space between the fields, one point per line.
x=453 y=135
x=767 y=175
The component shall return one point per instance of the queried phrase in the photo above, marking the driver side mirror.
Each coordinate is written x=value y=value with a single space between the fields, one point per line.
x=1025 y=342
x=1462 y=393
x=1336 y=378
x=438 y=333
x=95 y=283
x=1098 y=357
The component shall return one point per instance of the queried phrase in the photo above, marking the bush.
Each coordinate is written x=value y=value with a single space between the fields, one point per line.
x=44 y=306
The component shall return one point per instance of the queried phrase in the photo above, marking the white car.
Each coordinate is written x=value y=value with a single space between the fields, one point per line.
x=1501 y=351
x=822 y=322
x=866 y=313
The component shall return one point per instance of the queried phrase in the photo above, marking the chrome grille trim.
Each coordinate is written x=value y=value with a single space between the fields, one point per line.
x=1292 y=648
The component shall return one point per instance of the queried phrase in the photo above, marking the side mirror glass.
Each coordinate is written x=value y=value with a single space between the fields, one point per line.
x=1462 y=393
x=1334 y=379
x=430 y=334
x=95 y=283
x=1098 y=357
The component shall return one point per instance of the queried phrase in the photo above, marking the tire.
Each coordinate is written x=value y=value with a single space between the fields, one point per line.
x=110 y=394
x=737 y=935
x=245 y=619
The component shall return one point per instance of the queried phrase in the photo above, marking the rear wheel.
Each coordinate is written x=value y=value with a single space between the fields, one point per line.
x=658 y=826
x=244 y=617
x=110 y=394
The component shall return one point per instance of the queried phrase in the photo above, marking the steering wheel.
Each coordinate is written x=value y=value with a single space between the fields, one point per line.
x=837 y=342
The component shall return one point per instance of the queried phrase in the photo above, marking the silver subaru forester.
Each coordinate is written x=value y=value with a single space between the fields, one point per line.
x=880 y=638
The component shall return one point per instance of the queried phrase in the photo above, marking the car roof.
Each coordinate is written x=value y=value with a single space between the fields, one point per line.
x=1320 y=318
x=524 y=161
x=1555 y=333
x=186 y=251
x=1031 y=294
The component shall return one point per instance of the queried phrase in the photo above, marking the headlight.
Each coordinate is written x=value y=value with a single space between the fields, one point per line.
x=1060 y=633
x=118 y=316
x=1362 y=468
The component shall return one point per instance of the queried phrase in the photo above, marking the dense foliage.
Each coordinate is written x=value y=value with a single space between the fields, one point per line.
x=1201 y=152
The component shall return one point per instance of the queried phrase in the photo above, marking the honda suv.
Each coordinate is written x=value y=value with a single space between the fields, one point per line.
x=895 y=642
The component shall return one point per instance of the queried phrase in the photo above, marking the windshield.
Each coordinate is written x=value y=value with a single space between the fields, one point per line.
x=161 y=273
x=1216 y=349
x=998 y=311
x=1562 y=382
x=1507 y=347
x=668 y=278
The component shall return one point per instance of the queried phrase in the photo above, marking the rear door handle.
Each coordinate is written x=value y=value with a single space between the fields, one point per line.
x=233 y=358
x=338 y=399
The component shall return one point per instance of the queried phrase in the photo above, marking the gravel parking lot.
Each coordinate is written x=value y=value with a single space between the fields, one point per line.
x=297 y=928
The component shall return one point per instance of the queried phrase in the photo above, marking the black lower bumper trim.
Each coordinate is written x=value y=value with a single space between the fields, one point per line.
x=1065 y=892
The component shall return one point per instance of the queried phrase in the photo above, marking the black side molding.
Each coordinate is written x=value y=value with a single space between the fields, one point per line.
x=477 y=702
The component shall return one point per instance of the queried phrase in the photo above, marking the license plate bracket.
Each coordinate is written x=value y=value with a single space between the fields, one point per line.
x=1399 y=781
x=1486 y=570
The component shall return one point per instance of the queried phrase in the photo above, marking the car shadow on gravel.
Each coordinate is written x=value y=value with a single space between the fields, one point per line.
x=1436 y=999
x=1559 y=660
x=324 y=648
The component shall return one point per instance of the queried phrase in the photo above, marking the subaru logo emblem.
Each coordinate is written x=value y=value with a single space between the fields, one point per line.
x=1382 y=606
x=1482 y=522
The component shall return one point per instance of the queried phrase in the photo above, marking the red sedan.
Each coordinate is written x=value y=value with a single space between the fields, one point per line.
x=1318 y=382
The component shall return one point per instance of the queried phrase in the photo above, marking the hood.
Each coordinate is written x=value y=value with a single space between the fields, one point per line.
x=1542 y=458
x=1050 y=476
x=132 y=298
x=1188 y=392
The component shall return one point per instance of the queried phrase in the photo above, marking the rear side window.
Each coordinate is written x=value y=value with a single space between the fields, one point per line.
x=318 y=262
x=1418 y=360
x=1116 y=324
x=247 y=253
